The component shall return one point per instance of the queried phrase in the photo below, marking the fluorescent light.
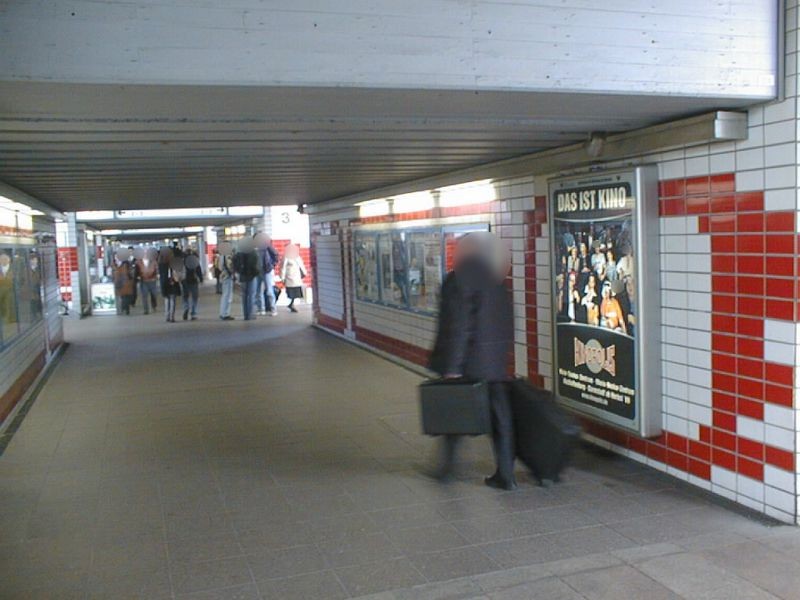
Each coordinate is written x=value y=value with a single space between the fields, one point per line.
x=373 y=208
x=170 y=213
x=246 y=211
x=193 y=229
x=476 y=192
x=94 y=215
x=19 y=207
x=414 y=202
x=110 y=231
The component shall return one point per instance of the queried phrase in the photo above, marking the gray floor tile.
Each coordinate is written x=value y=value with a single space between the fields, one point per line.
x=451 y=564
x=209 y=575
x=618 y=582
x=323 y=585
x=358 y=549
x=427 y=539
x=240 y=592
x=136 y=585
x=273 y=564
x=551 y=588
x=762 y=566
x=376 y=577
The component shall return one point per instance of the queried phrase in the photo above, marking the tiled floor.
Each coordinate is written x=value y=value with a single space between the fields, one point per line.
x=214 y=460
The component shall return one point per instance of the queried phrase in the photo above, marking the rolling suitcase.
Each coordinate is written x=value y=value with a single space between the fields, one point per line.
x=544 y=434
x=455 y=406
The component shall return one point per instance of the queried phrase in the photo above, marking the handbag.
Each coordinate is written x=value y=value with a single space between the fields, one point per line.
x=455 y=407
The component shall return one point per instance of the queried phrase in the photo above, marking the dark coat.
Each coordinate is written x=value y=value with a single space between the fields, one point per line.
x=476 y=325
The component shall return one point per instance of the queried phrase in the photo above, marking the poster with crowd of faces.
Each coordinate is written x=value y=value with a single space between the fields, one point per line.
x=596 y=294
x=20 y=291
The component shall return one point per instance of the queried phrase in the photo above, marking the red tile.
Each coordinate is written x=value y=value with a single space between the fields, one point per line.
x=746 y=201
x=723 y=459
x=677 y=460
x=672 y=207
x=723 y=244
x=656 y=452
x=725 y=284
x=723 y=204
x=721 y=401
x=780 y=265
x=750 y=244
x=723 y=263
x=671 y=188
x=780 y=221
x=698 y=186
x=637 y=444
x=703 y=224
x=751 y=327
x=780 y=309
x=724 y=383
x=750 y=222
x=677 y=442
x=697 y=205
x=779 y=374
x=777 y=394
x=700 y=450
x=750 y=264
x=780 y=244
x=750 y=408
x=723 y=420
x=723 y=439
x=753 y=307
x=700 y=469
x=723 y=343
x=724 y=182
x=778 y=287
x=752 y=286
x=748 y=367
x=723 y=323
x=777 y=457
x=705 y=434
x=722 y=223
x=750 y=347
x=751 y=449
x=750 y=468
x=751 y=388
x=721 y=303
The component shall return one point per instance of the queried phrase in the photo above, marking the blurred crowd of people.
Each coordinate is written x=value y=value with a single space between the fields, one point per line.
x=253 y=262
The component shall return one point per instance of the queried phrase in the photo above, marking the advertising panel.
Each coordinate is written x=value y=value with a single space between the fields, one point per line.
x=607 y=309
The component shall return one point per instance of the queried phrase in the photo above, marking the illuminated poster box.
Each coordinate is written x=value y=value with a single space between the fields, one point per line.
x=607 y=306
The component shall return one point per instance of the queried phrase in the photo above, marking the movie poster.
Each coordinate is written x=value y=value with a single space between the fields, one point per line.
x=595 y=283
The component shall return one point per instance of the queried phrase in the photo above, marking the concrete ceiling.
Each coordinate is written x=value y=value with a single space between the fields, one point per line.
x=84 y=147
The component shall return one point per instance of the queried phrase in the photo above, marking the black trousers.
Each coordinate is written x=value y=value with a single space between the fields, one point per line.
x=502 y=435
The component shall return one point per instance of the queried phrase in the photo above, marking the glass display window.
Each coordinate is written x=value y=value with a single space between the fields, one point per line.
x=20 y=291
x=425 y=269
x=366 y=268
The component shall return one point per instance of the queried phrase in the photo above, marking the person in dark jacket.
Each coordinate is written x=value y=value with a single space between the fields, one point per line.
x=191 y=285
x=245 y=264
x=474 y=338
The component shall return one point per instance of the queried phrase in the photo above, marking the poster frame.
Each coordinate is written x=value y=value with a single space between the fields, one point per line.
x=648 y=418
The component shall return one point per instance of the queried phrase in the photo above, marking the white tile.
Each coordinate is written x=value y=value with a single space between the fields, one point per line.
x=750 y=159
x=699 y=358
x=750 y=487
x=747 y=181
x=778 y=478
x=676 y=408
x=672 y=169
x=674 y=243
x=699 y=377
x=722 y=163
x=673 y=226
x=780 y=199
x=779 y=515
x=780 y=111
x=780 y=331
x=780 y=177
x=694 y=430
x=698 y=165
x=755 y=137
x=699 y=396
x=779 y=133
x=677 y=389
x=779 y=437
x=699 y=340
x=723 y=477
x=700 y=301
x=700 y=263
x=780 y=155
x=677 y=425
x=700 y=483
x=692 y=224
x=698 y=244
x=779 y=415
x=700 y=415
x=783 y=500
x=750 y=428
x=750 y=503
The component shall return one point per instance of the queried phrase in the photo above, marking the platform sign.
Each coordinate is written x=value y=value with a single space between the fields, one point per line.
x=606 y=308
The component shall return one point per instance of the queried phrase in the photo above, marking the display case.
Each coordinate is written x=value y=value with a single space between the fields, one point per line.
x=405 y=268
x=20 y=291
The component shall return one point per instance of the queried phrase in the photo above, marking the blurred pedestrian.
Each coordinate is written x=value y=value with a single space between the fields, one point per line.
x=293 y=272
x=226 y=277
x=148 y=275
x=172 y=289
x=191 y=285
x=245 y=263
x=265 y=281
x=474 y=338
x=124 y=285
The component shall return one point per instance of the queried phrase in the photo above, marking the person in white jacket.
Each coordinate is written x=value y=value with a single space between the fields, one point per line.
x=293 y=271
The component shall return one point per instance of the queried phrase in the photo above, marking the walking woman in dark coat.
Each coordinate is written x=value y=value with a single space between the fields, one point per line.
x=474 y=339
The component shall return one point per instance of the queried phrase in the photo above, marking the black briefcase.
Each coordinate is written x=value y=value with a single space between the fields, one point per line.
x=455 y=406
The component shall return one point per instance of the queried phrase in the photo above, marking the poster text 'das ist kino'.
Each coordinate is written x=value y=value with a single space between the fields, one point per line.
x=593 y=199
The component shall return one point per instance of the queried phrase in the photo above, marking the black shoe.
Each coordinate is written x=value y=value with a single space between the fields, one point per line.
x=229 y=318
x=194 y=318
x=186 y=314
x=495 y=481
x=293 y=309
